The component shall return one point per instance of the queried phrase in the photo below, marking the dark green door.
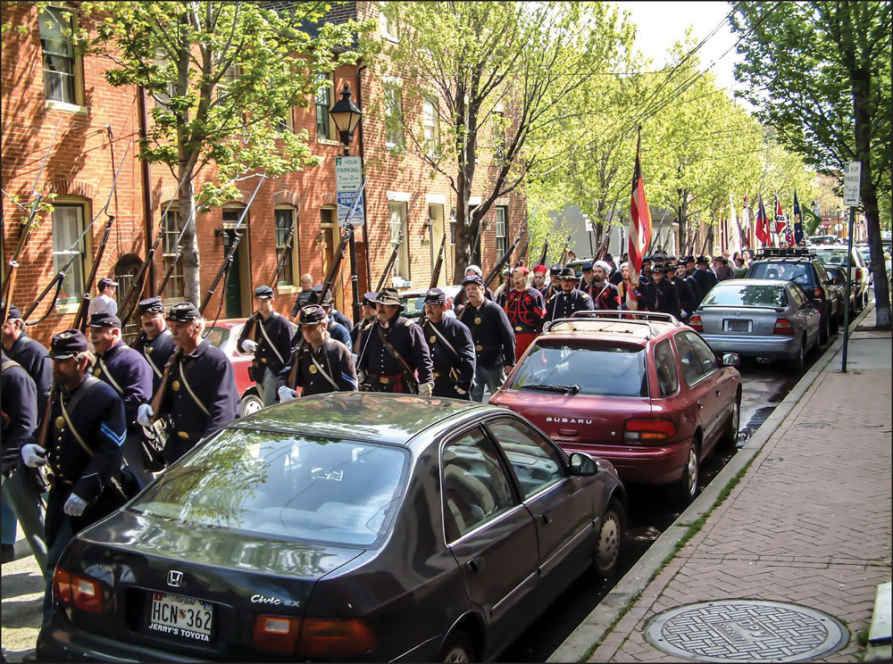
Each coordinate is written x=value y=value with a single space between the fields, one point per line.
x=233 y=282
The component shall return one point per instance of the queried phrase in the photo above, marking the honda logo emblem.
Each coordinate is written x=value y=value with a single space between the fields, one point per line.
x=174 y=578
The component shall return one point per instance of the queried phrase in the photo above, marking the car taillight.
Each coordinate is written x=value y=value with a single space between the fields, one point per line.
x=696 y=323
x=277 y=634
x=78 y=591
x=641 y=430
x=819 y=293
x=783 y=326
x=858 y=274
x=335 y=637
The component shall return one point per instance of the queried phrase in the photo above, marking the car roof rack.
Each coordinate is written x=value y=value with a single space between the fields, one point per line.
x=784 y=252
x=643 y=318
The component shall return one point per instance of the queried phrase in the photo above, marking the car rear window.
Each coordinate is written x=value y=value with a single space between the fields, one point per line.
x=585 y=368
x=836 y=257
x=279 y=484
x=217 y=335
x=413 y=306
x=747 y=295
x=782 y=271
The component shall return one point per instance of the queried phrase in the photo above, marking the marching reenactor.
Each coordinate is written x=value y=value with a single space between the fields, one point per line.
x=105 y=302
x=30 y=354
x=604 y=294
x=451 y=346
x=394 y=351
x=318 y=363
x=585 y=284
x=526 y=311
x=461 y=299
x=81 y=447
x=569 y=299
x=331 y=312
x=661 y=294
x=337 y=325
x=505 y=285
x=155 y=342
x=494 y=340
x=704 y=276
x=201 y=396
x=18 y=411
x=645 y=272
x=687 y=302
x=629 y=289
x=367 y=318
x=270 y=340
x=130 y=375
x=539 y=279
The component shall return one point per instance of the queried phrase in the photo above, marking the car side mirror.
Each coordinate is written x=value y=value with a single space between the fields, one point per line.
x=731 y=360
x=582 y=464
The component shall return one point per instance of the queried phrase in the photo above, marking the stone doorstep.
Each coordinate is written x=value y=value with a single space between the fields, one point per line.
x=880 y=632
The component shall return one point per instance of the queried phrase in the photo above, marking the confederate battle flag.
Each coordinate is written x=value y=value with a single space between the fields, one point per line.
x=639 y=217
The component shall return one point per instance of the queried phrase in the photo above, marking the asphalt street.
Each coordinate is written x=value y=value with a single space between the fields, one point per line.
x=763 y=387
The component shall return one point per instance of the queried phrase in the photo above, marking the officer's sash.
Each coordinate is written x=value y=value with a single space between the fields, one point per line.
x=198 y=402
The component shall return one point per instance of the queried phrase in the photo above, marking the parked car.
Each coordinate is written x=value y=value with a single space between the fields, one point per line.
x=639 y=389
x=759 y=318
x=807 y=271
x=824 y=239
x=836 y=256
x=399 y=528
x=224 y=334
x=413 y=302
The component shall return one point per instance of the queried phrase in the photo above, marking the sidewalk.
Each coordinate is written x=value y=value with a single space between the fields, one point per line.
x=808 y=523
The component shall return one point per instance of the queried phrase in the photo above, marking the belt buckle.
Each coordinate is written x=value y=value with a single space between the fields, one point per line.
x=384 y=380
x=518 y=328
x=183 y=435
x=263 y=360
x=437 y=374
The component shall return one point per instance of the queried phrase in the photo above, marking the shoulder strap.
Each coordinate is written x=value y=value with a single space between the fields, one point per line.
x=9 y=364
x=263 y=331
x=108 y=374
x=86 y=387
x=325 y=374
x=442 y=338
x=393 y=351
x=148 y=357
x=198 y=402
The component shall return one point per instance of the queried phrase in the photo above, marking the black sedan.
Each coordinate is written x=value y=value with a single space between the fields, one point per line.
x=341 y=526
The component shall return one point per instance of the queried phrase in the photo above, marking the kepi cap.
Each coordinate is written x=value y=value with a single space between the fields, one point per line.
x=473 y=279
x=388 y=296
x=586 y=267
x=13 y=313
x=263 y=293
x=311 y=315
x=183 y=312
x=151 y=305
x=105 y=281
x=67 y=344
x=104 y=319
x=435 y=296
x=568 y=273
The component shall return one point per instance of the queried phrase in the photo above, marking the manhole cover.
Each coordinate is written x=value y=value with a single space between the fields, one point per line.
x=743 y=630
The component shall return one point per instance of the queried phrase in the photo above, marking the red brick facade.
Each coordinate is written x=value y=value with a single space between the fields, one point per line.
x=79 y=171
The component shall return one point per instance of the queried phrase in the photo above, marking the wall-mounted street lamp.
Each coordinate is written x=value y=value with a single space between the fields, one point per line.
x=346 y=116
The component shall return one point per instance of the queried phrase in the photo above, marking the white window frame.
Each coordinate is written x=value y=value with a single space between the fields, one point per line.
x=295 y=267
x=389 y=27
x=499 y=227
x=430 y=126
x=74 y=278
x=327 y=82
x=397 y=222
x=393 y=108
x=74 y=78
x=175 y=290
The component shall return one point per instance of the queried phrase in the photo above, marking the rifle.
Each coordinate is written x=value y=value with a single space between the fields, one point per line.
x=80 y=321
x=502 y=261
x=286 y=251
x=545 y=252
x=522 y=249
x=132 y=298
x=333 y=269
x=567 y=246
x=438 y=265
x=390 y=263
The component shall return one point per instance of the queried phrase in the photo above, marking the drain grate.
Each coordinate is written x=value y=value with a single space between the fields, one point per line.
x=744 y=630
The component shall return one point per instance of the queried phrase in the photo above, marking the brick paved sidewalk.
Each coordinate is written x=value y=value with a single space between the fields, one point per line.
x=810 y=521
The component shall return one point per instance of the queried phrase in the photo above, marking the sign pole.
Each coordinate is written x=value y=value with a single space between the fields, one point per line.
x=851 y=198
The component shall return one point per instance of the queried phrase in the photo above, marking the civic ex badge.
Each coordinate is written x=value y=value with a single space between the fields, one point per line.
x=174 y=578
x=275 y=601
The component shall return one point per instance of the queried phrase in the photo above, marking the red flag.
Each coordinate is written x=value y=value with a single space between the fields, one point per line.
x=762 y=230
x=639 y=217
x=779 y=217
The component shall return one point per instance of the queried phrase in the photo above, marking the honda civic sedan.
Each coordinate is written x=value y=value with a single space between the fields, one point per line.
x=340 y=526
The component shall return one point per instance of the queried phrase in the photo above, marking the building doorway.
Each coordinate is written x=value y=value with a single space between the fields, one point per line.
x=238 y=282
x=125 y=273
x=436 y=233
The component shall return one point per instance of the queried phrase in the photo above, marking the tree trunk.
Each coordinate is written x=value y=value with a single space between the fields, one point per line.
x=191 y=276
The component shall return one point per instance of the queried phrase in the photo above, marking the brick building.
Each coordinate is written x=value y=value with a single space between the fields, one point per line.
x=58 y=104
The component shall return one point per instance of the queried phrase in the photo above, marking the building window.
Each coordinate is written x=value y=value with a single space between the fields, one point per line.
x=393 y=100
x=499 y=132
x=453 y=226
x=388 y=22
x=285 y=219
x=227 y=81
x=163 y=99
x=69 y=251
x=171 y=225
x=327 y=216
x=324 y=95
x=430 y=127
x=400 y=232
x=499 y=228
x=59 y=66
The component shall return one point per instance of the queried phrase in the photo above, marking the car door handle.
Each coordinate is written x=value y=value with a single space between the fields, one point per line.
x=474 y=565
x=699 y=404
x=546 y=518
x=718 y=392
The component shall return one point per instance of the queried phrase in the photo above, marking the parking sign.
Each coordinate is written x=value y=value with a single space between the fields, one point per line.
x=851 y=179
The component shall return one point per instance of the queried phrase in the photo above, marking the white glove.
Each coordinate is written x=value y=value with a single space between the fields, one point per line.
x=249 y=346
x=75 y=505
x=426 y=389
x=144 y=414
x=287 y=394
x=33 y=455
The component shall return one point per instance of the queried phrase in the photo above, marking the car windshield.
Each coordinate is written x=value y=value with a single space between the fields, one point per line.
x=413 y=306
x=306 y=487
x=584 y=368
x=748 y=295
x=798 y=272
x=218 y=335
x=832 y=257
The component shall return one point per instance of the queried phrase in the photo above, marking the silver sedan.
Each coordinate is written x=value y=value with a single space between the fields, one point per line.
x=759 y=318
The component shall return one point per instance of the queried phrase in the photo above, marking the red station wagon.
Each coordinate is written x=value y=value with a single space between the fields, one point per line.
x=639 y=389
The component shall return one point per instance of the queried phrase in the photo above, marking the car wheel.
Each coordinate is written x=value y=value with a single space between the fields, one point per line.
x=251 y=403
x=730 y=437
x=458 y=649
x=610 y=540
x=687 y=487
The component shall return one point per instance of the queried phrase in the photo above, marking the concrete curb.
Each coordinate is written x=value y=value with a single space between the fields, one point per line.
x=601 y=620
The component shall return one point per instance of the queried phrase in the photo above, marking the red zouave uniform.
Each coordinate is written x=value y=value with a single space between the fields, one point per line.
x=605 y=296
x=526 y=311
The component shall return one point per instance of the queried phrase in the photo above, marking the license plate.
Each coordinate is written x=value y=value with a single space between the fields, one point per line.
x=184 y=617
x=738 y=325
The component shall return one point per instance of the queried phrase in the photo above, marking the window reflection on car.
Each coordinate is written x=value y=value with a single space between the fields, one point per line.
x=749 y=296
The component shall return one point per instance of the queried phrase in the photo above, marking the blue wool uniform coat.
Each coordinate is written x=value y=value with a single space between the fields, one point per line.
x=333 y=356
x=563 y=305
x=34 y=359
x=18 y=401
x=452 y=367
x=491 y=331
x=407 y=339
x=129 y=374
x=156 y=351
x=273 y=337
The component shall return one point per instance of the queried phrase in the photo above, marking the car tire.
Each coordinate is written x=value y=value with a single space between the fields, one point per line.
x=458 y=649
x=250 y=403
x=609 y=540
x=730 y=437
x=687 y=487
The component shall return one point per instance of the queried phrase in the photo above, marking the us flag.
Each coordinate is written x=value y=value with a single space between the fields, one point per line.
x=639 y=217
